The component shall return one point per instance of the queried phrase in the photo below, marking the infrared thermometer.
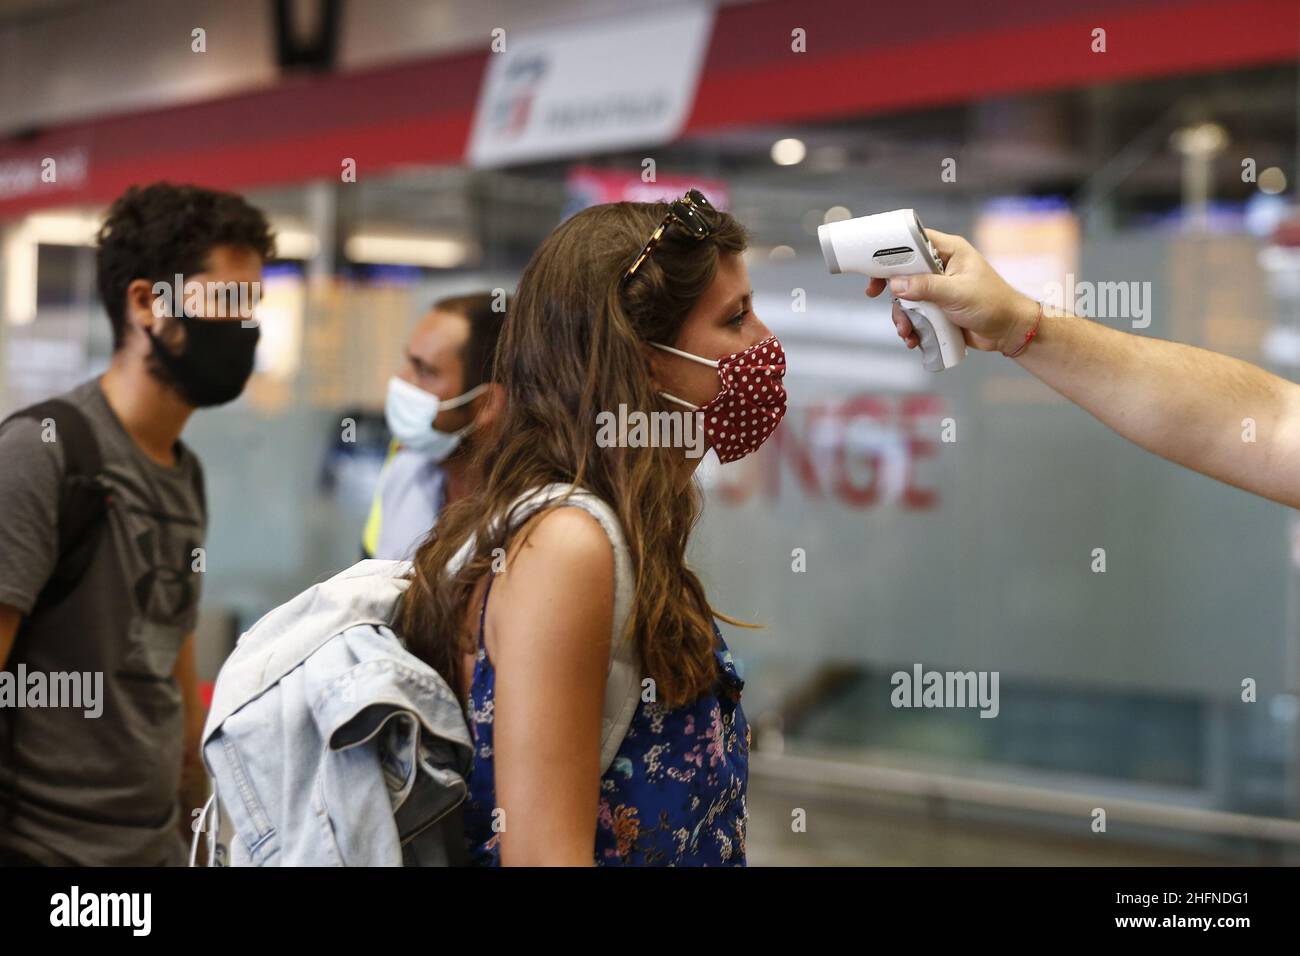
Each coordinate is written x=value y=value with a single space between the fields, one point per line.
x=895 y=244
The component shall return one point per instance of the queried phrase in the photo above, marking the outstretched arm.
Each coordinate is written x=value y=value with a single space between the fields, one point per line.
x=1217 y=415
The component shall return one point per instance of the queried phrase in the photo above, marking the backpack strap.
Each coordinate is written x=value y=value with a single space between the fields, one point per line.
x=83 y=497
x=623 y=680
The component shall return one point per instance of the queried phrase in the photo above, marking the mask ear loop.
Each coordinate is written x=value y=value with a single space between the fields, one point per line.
x=679 y=401
x=694 y=358
x=460 y=400
x=713 y=363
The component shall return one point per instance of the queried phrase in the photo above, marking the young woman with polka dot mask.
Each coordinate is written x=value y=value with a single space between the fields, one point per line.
x=600 y=322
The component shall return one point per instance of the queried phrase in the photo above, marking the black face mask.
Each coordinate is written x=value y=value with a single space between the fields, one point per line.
x=216 y=362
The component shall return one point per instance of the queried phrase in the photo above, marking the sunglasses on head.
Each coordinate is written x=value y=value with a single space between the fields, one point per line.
x=687 y=212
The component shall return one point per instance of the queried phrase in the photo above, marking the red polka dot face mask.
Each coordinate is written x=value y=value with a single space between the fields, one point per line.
x=751 y=403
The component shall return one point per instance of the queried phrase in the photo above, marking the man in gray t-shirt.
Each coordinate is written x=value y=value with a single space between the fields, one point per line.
x=113 y=777
x=97 y=780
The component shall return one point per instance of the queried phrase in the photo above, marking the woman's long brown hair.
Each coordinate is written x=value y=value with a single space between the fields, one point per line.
x=572 y=347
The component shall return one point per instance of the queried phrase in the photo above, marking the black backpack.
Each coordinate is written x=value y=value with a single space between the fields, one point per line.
x=84 y=497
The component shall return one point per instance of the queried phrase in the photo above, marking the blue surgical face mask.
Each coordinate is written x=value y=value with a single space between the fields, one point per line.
x=410 y=412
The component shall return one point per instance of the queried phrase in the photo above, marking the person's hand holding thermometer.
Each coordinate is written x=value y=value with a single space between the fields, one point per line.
x=966 y=289
x=895 y=244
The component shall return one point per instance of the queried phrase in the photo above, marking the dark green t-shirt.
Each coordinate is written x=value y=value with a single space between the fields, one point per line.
x=100 y=790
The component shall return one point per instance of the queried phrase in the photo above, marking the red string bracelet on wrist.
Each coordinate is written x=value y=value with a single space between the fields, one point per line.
x=1030 y=337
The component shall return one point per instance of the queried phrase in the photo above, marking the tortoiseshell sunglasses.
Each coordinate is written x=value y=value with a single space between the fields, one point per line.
x=687 y=213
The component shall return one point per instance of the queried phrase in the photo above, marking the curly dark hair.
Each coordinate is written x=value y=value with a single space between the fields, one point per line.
x=154 y=232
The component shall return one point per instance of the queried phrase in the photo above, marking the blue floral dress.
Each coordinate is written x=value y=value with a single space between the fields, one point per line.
x=674 y=794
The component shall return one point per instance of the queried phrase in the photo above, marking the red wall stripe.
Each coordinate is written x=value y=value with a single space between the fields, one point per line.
x=862 y=58
x=880 y=73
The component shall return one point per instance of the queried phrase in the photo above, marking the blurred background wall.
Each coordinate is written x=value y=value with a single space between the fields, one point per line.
x=1159 y=154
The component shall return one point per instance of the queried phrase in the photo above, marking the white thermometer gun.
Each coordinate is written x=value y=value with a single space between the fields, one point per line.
x=895 y=244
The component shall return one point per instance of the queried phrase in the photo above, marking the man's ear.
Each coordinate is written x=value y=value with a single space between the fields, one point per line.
x=492 y=406
x=143 y=305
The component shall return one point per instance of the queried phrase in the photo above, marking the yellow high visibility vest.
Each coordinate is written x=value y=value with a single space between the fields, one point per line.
x=375 y=520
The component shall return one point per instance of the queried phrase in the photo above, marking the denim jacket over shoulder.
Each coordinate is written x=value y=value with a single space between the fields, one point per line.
x=329 y=744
